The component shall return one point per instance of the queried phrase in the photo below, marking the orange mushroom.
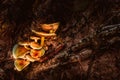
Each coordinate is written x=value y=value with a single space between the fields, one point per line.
x=25 y=44
x=31 y=59
x=20 y=64
x=19 y=51
x=43 y=35
x=50 y=27
x=37 y=53
x=35 y=45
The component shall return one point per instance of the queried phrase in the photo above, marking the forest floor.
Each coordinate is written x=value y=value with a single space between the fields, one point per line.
x=67 y=62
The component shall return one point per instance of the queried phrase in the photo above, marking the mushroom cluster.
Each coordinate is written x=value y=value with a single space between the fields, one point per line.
x=31 y=51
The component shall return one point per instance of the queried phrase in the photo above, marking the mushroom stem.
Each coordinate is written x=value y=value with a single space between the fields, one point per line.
x=42 y=41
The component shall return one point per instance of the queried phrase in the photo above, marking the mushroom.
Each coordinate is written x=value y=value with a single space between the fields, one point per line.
x=43 y=35
x=50 y=27
x=25 y=44
x=35 y=45
x=19 y=51
x=37 y=53
x=30 y=58
x=35 y=38
x=20 y=64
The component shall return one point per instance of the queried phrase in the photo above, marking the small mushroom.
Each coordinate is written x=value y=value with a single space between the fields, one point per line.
x=35 y=45
x=50 y=27
x=37 y=53
x=29 y=58
x=20 y=64
x=43 y=35
x=35 y=38
x=19 y=51
x=25 y=44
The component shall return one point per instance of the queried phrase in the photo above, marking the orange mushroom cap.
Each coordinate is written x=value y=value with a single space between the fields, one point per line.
x=19 y=51
x=37 y=53
x=31 y=59
x=20 y=64
x=42 y=34
x=25 y=44
x=52 y=26
x=35 y=45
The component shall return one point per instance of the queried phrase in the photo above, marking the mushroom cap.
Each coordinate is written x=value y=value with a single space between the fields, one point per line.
x=37 y=53
x=33 y=37
x=42 y=34
x=35 y=45
x=27 y=47
x=20 y=64
x=48 y=27
x=30 y=58
x=19 y=51
x=23 y=43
